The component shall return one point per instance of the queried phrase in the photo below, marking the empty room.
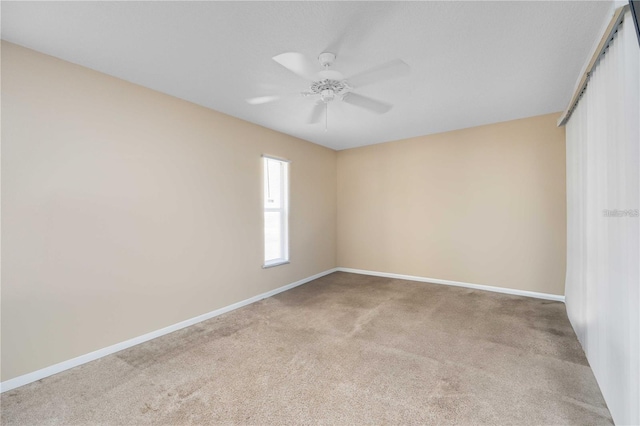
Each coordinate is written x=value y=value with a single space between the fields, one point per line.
x=347 y=213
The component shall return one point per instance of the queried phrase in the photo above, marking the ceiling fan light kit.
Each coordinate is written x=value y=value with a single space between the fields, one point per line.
x=329 y=84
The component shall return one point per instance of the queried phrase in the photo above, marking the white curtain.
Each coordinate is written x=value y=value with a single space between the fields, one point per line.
x=603 y=193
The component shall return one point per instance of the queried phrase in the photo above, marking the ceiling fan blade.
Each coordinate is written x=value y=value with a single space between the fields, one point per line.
x=367 y=103
x=386 y=71
x=259 y=100
x=316 y=113
x=298 y=64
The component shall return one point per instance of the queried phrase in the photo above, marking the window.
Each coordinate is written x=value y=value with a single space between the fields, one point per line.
x=276 y=211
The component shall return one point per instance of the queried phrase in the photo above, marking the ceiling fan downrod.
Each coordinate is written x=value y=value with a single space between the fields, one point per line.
x=326 y=59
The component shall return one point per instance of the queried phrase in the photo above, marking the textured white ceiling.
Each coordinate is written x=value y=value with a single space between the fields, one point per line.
x=472 y=63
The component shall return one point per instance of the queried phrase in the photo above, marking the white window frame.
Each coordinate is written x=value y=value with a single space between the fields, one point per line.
x=284 y=210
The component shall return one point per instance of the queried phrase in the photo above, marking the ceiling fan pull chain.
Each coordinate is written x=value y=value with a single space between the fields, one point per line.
x=326 y=115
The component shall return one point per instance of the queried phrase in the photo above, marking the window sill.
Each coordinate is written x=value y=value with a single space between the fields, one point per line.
x=275 y=263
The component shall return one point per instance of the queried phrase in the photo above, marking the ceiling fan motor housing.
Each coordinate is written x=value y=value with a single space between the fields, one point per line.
x=328 y=89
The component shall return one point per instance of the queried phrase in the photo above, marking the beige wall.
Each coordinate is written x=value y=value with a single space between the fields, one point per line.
x=125 y=210
x=484 y=205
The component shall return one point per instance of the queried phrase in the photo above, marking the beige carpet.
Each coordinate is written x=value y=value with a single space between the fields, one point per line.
x=344 y=349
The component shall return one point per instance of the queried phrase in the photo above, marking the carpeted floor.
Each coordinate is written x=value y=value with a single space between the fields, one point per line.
x=344 y=349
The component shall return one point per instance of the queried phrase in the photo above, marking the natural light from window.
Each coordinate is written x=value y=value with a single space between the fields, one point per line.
x=276 y=211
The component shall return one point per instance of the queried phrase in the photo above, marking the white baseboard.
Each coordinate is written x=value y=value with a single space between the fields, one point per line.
x=537 y=295
x=83 y=359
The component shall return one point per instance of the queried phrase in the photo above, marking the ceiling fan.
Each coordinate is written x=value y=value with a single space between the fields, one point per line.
x=328 y=85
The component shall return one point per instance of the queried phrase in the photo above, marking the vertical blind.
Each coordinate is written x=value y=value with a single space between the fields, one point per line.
x=603 y=234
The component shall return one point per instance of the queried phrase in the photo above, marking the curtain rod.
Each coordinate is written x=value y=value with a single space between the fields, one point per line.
x=616 y=20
